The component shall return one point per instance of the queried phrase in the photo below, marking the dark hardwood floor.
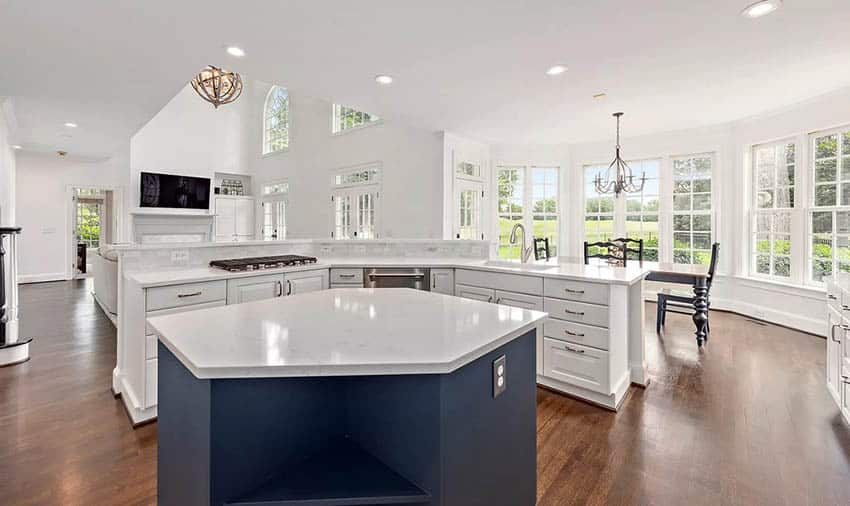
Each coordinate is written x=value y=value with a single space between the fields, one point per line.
x=748 y=421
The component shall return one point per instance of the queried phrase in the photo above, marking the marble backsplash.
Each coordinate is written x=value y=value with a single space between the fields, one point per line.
x=199 y=255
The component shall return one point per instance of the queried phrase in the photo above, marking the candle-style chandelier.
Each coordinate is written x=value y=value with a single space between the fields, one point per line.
x=623 y=179
x=217 y=86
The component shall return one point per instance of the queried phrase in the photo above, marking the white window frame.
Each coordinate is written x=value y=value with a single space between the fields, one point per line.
x=348 y=183
x=772 y=212
x=842 y=157
x=620 y=212
x=467 y=184
x=279 y=193
x=527 y=215
x=266 y=150
x=710 y=212
x=366 y=120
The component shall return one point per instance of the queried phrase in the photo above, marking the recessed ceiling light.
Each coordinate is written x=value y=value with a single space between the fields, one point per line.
x=383 y=79
x=762 y=8
x=556 y=70
x=235 y=51
x=71 y=125
x=16 y=146
x=599 y=96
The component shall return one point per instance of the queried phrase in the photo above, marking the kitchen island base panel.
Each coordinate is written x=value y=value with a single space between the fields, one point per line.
x=434 y=439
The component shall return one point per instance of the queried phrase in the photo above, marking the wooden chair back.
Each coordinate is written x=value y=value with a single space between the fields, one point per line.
x=626 y=241
x=613 y=252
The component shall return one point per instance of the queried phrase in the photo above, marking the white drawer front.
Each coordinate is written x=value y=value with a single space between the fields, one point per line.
x=150 y=382
x=349 y=276
x=345 y=285
x=577 y=365
x=498 y=281
x=520 y=300
x=150 y=314
x=587 y=335
x=150 y=346
x=580 y=312
x=164 y=297
x=475 y=293
x=593 y=293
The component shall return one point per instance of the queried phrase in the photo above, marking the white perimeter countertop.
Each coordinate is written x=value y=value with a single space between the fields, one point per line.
x=553 y=269
x=341 y=332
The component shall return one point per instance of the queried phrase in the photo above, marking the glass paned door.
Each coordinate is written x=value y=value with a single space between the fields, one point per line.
x=274 y=220
x=355 y=214
x=468 y=197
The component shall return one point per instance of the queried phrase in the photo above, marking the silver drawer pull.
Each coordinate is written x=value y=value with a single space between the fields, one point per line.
x=574 y=291
x=845 y=307
x=490 y=299
x=577 y=334
x=573 y=350
x=831 y=297
x=577 y=313
x=347 y=275
x=184 y=295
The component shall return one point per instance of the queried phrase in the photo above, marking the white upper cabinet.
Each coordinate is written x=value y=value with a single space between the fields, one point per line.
x=234 y=218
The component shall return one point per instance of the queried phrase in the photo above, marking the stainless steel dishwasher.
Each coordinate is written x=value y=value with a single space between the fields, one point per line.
x=404 y=277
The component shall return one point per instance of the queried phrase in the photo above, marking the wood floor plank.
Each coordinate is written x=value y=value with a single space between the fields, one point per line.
x=747 y=421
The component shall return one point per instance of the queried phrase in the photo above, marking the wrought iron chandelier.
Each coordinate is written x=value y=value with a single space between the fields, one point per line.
x=623 y=178
x=217 y=86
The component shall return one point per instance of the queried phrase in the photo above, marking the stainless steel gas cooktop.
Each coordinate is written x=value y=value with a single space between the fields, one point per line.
x=259 y=263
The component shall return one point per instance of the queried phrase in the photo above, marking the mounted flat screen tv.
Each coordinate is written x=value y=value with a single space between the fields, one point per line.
x=174 y=192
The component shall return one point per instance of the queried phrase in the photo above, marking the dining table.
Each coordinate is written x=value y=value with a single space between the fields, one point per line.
x=695 y=275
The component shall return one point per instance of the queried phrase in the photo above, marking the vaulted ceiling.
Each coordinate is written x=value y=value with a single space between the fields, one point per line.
x=475 y=67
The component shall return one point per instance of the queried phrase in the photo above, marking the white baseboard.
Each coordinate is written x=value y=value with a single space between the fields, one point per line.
x=816 y=326
x=40 y=278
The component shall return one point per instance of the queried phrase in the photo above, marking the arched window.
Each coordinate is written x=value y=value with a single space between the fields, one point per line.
x=276 y=121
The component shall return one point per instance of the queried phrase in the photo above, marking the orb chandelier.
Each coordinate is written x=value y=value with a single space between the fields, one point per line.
x=217 y=86
x=623 y=179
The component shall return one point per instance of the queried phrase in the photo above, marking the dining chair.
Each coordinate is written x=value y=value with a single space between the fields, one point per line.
x=541 y=248
x=681 y=302
x=611 y=251
x=637 y=250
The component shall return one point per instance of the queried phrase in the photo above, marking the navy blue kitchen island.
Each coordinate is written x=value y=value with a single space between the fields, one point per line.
x=388 y=398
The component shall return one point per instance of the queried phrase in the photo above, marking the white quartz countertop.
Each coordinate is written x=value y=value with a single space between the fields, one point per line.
x=553 y=269
x=341 y=332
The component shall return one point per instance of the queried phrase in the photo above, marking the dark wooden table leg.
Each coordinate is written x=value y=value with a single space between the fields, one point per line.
x=700 y=308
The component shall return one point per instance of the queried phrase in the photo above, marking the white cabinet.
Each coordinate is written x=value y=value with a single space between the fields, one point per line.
x=346 y=278
x=575 y=364
x=234 y=218
x=443 y=281
x=267 y=286
x=520 y=300
x=475 y=293
x=833 y=354
x=306 y=281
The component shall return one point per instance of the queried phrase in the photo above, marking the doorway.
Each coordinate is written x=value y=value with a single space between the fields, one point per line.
x=95 y=213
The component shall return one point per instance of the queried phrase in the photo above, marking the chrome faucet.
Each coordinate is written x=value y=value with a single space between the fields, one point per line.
x=525 y=253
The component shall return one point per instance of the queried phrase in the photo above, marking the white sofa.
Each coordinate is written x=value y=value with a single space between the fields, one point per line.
x=105 y=267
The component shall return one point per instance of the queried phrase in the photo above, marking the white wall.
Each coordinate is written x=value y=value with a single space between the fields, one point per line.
x=43 y=208
x=456 y=149
x=188 y=136
x=7 y=164
x=411 y=159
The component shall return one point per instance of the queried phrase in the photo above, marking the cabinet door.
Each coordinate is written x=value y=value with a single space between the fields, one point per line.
x=519 y=300
x=307 y=281
x=225 y=219
x=254 y=288
x=475 y=293
x=443 y=281
x=834 y=334
x=244 y=224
